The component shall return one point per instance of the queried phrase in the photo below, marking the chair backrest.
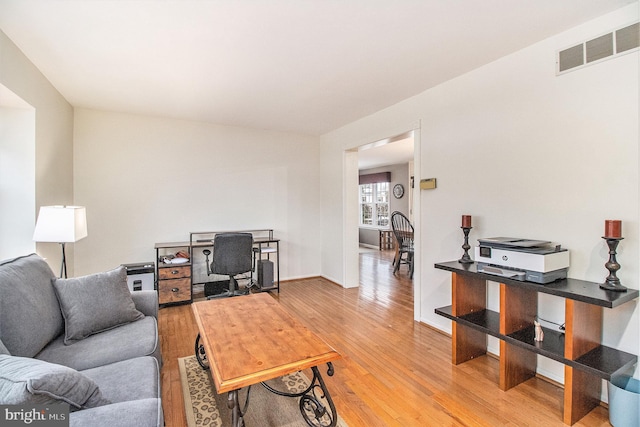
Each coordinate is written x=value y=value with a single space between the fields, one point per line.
x=402 y=229
x=232 y=253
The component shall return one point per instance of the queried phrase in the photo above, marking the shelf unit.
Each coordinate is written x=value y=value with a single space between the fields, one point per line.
x=578 y=348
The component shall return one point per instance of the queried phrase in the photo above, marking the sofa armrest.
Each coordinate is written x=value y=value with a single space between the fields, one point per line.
x=146 y=302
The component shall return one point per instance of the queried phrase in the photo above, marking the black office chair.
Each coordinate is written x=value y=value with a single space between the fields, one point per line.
x=231 y=256
x=403 y=232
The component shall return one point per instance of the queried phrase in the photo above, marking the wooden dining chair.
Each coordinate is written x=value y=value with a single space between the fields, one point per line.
x=403 y=232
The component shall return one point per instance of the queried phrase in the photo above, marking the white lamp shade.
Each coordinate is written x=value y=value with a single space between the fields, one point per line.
x=61 y=224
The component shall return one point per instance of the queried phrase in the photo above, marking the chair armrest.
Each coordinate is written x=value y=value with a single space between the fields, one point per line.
x=146 y=302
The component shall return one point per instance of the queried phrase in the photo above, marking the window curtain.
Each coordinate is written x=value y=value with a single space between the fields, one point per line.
x=374 y=178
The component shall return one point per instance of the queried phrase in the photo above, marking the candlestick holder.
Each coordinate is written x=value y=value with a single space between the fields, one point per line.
x=466 y=259
x=612 y=283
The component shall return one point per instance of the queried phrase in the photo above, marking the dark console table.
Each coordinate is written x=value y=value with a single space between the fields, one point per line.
x=586 y=360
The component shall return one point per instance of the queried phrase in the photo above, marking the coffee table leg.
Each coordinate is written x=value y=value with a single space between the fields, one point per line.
x=313 y=410
x=234 y=405
x=310 y=402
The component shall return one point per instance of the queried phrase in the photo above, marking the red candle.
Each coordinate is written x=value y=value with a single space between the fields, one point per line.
x=466 y=221
x=613 y=228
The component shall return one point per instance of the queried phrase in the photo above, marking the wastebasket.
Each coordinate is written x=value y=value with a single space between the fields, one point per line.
x=624 y=401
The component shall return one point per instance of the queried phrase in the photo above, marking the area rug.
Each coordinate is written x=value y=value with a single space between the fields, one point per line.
x=205 y=408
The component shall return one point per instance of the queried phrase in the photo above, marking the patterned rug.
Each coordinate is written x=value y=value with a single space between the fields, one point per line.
x=205 y=408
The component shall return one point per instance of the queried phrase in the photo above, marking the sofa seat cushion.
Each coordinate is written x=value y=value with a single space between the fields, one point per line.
x=27 y=381
x=30 y=315
x=139 y=338
x=131 y=379
x=95 y=303
x=138 y=413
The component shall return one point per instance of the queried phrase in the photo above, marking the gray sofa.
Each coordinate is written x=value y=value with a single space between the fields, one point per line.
x=84 y=341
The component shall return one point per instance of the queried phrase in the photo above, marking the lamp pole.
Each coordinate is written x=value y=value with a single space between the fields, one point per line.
x=63 y=266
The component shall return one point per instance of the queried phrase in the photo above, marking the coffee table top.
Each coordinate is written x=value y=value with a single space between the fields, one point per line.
x=249 y=339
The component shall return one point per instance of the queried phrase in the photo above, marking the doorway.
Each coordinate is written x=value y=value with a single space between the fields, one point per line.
x=352 y=211
x=385 y=172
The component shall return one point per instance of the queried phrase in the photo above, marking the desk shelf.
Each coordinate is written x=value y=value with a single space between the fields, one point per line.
x=578 y=348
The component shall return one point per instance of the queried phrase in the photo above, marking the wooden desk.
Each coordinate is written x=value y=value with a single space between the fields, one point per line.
x=250 y=339
x=263 y=243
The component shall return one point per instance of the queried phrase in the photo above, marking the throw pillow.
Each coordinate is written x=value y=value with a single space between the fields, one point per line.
x=30 y=315
x=95 y=303
x=35 y=382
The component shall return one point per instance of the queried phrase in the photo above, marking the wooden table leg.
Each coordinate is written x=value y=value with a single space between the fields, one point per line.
x=468 y=296
x=518 y=308
x=583 y=329
x=581 y=394
x=516 y=365
x=467 y=344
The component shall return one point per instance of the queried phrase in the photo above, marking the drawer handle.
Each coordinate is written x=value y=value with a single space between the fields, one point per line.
x=175 y=272
x=175 y=290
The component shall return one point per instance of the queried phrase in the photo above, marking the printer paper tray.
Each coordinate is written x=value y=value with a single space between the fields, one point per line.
x=523 y=275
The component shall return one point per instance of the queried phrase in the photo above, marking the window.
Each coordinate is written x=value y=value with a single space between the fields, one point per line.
x=374 y=204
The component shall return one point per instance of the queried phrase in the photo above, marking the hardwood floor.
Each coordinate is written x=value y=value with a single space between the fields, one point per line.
x=394 y=371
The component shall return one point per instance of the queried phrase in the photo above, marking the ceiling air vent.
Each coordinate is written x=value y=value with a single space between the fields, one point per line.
x=607 y=46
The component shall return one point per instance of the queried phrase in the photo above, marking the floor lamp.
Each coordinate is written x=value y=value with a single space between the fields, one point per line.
x=61 y=224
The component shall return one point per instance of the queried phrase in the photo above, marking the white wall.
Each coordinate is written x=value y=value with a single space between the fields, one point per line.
x=528 y=154
x=146 y=180
x=53 y=146
x=17 y=180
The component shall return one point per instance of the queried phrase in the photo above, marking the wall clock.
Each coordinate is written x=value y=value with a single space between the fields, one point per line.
x=398 y=191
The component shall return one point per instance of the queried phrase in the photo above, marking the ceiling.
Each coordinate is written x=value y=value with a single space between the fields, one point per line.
x=391 y=151
x=303 y=66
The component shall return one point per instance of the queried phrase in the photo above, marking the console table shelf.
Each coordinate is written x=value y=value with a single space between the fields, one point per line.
x=602 y=361
x=586 y=360
x=578 y=290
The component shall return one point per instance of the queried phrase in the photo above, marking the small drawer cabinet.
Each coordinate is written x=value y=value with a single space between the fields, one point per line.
x=174 y=280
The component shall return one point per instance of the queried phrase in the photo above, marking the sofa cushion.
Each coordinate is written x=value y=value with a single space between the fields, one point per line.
x=29 y=311
x=141 y=374
x=95 y=303
x=138 y=413
x=30 y=381
x=139 y=338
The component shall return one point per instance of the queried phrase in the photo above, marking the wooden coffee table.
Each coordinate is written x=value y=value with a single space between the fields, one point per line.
x=250 y=339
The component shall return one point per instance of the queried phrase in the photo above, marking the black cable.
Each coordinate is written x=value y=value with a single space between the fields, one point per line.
x=560 y=326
